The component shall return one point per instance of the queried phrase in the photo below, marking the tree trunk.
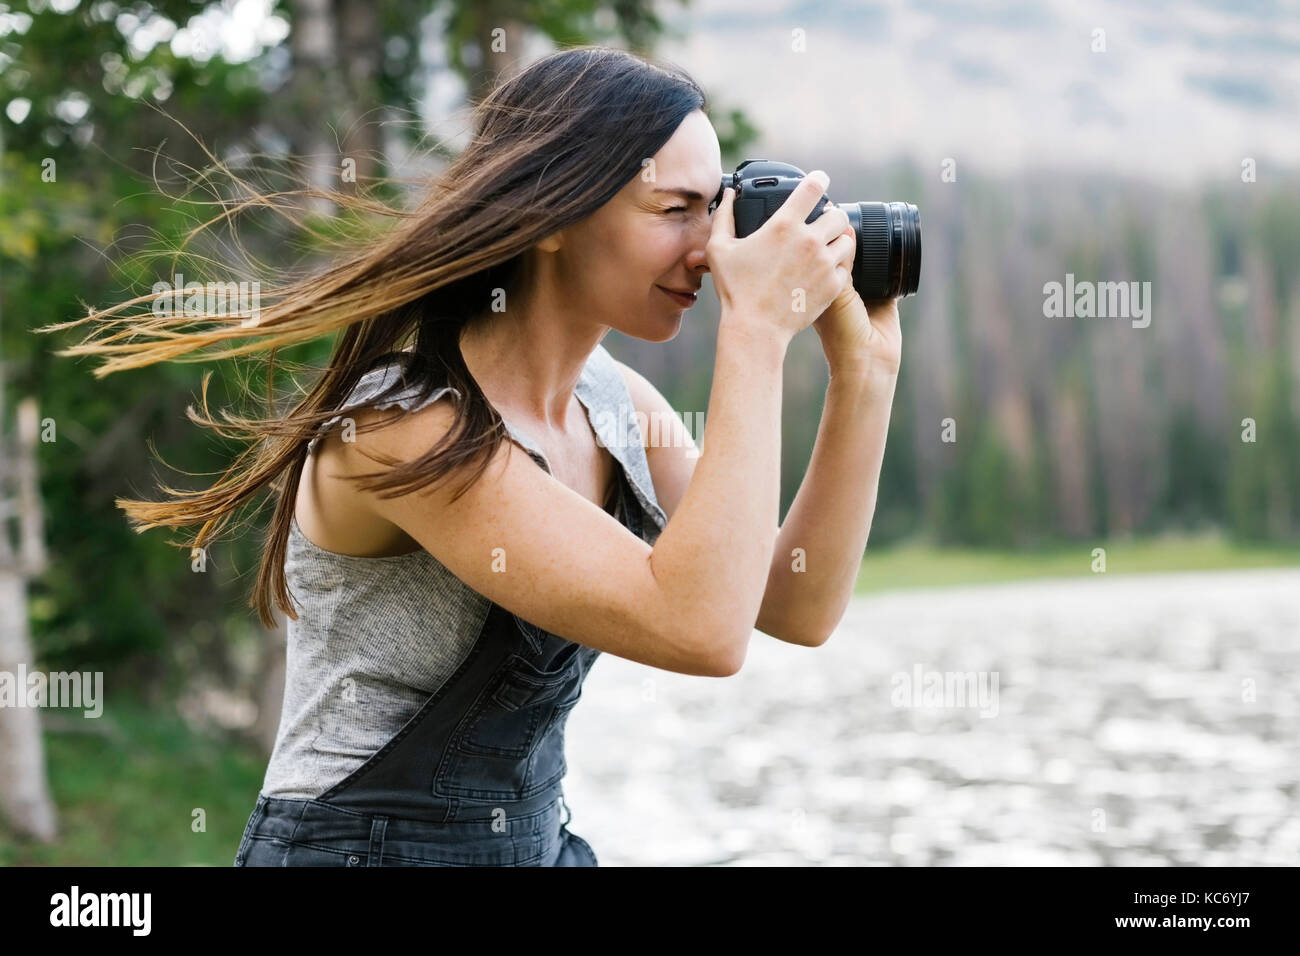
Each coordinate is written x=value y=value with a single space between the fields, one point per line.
x=24 y=793
x=500 y=55
x=316 y=95
x=360 y=47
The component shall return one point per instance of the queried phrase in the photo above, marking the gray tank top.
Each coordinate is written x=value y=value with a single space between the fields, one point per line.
x=376 y=637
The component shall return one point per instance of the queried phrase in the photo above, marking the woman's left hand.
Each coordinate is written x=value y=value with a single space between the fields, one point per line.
x=858 y=336
x=861 y=337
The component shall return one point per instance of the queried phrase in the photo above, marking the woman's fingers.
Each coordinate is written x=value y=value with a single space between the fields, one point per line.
x=803 y=199
x=832 y=222
x=844 y=248
x=724 y=217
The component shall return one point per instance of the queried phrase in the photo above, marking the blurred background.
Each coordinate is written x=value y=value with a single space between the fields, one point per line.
x=1090 y=524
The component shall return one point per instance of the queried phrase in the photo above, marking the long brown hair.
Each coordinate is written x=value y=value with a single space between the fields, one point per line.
x=551 y=145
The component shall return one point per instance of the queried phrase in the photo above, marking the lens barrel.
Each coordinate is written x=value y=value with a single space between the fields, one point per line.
x=888 y=264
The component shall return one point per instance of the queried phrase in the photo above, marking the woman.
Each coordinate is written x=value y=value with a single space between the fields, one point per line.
x=442 y=629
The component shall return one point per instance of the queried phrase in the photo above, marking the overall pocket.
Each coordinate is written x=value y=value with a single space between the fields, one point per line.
x=507 y=747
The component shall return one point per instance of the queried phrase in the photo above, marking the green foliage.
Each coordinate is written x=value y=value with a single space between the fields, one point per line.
x=127 y=785
x=1264 y=474
x=989 y=513
x=1195 y=476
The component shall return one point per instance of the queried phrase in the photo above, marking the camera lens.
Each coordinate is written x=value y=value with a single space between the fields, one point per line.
x=889 y=248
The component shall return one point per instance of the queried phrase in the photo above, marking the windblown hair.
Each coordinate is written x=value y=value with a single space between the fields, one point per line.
x=550 y=146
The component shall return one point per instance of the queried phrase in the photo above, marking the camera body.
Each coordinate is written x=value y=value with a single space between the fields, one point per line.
x=888 y=260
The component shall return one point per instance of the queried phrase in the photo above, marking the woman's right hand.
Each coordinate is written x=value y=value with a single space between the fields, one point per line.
x=758 y=278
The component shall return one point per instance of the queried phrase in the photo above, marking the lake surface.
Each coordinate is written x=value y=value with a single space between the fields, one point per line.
x=1134 y=720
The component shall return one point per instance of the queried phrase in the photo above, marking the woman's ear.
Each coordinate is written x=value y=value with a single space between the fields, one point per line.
x=552 y=242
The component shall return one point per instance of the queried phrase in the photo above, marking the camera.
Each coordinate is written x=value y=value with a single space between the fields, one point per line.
x=888 y=261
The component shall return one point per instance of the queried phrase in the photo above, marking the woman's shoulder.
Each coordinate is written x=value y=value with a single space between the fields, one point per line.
x=383 y=388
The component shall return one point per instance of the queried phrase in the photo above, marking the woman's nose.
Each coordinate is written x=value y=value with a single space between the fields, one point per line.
x=697 y=258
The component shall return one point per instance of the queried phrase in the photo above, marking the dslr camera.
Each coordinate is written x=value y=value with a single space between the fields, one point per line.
x=888 y=261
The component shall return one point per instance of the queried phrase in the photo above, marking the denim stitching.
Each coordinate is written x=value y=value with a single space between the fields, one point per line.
x=375 y=855
x=241 y=852
x=587 y=846
x=302 y=812
x=530 y=632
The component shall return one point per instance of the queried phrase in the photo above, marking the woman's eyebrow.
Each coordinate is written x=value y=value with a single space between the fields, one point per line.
x=679 y=191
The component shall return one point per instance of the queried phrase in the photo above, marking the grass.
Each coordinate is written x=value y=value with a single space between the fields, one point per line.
x=130 y=790
x=920 y=564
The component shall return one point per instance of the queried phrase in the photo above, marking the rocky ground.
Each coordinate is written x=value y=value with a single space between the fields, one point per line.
x=1138 y=720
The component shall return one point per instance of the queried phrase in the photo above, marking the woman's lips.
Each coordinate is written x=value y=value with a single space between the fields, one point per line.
x=686 y=301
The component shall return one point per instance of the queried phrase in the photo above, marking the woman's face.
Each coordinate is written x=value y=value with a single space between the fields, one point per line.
x=650 y=236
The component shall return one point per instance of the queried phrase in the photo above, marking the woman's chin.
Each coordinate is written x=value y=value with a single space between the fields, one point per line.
x=670 y=331
x=660 y=331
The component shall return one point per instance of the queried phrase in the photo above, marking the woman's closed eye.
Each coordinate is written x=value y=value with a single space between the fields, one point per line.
x=675 y=209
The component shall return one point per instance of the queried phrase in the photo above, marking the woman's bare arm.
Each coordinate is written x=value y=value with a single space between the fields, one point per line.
x=820 y=545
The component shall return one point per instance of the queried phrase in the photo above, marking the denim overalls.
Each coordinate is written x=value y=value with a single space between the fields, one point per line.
x=472 y=779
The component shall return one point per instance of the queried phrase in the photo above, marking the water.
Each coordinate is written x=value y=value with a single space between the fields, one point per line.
x=1139 y=720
